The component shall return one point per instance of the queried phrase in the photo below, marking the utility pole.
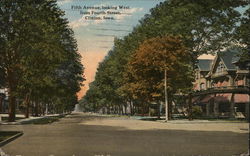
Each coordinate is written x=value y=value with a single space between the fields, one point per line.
x=166 y=94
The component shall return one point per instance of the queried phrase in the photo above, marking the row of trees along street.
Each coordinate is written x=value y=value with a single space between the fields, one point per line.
x=171 y=37
x=39 y=62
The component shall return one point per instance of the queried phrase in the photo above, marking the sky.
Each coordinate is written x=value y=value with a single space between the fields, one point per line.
x=95 y=37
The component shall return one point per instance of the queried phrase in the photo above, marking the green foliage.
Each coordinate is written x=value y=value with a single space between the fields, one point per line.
x=196 y=111
x=2 y=80
x=243 y=34
x=4 y=135
x=144 y=77
x=45 y=120
x=203 y=27
x=38 y=53
x=243 y=30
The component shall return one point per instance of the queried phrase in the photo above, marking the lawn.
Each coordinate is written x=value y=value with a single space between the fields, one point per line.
x=6 y=134
x=45 y=120
x=6 y=118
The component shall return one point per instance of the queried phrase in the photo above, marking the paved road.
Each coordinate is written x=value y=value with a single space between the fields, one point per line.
x=69 y=138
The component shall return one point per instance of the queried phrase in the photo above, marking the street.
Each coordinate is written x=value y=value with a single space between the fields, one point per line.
x=92 y=135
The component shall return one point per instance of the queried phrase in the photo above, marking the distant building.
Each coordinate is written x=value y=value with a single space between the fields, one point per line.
x=222 y=86
x=3 y=101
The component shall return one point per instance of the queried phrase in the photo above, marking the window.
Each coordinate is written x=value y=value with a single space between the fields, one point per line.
x=220 y=68
x=202 y=86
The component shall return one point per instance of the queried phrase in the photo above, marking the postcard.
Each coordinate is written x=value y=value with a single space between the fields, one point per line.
x=124 y=77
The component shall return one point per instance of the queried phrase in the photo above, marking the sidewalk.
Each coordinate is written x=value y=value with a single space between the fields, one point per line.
x=173 y=121
x=197 y=121
x=22 y=121
x=152 y=123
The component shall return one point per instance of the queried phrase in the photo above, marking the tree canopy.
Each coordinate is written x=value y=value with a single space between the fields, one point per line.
x=203 y=27
x=144 y=76
x=38 y=54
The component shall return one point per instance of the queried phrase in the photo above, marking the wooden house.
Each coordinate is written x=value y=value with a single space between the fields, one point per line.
x=222 y=86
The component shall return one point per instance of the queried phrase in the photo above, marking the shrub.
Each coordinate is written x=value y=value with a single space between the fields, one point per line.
x=197 y=111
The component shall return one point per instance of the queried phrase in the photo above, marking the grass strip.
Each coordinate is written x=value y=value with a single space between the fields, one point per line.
x=8 y=136
x=44 y=120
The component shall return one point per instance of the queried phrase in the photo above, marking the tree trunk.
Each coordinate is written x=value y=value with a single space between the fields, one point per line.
x=12 y=105
x=27 y=103
x=108 y=110
x=125 y=109
x=12 y=109
x=1 y=104
x=131 y=107
x=41 y=109
x=158 y=111
x=145 y=109
x=33 y=108
x=117 y=110
x=44 y=109
x=36 y=109
x=190 y=107
x=121 y=109
x=170 y=106
x=12 y=98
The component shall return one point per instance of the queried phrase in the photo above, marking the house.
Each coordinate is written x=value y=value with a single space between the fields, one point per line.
x=202 y=70
x=221 y=87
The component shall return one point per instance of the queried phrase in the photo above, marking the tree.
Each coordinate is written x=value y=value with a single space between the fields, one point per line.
x=145 y=70
x=12 y=39
x=203 y=26
x=38 y=53
x=242 y=36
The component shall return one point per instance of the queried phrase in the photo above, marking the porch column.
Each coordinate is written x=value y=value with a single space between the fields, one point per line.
x=232 y=105
x=46 y=109
x=208 y=83
x=247 y=111
x=208 y=109
x=231 y=80
x=245 y=80
x=1 y=103
x=216 y=109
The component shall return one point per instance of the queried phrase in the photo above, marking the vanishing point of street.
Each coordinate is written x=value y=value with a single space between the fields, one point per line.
x=82 y=134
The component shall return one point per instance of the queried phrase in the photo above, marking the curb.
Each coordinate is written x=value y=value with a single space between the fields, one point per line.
x=25 y=121
x=30 y=120
x=35 y=119
x=9 y=123
x=197 y=122
x=4 y=142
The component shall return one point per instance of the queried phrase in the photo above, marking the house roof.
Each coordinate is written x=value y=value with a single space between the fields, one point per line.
x=228 y=57
x=204 y=64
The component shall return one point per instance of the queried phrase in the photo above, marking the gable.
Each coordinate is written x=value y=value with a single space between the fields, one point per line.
x=228 y=58
x=220 y=67
x=224 y=60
